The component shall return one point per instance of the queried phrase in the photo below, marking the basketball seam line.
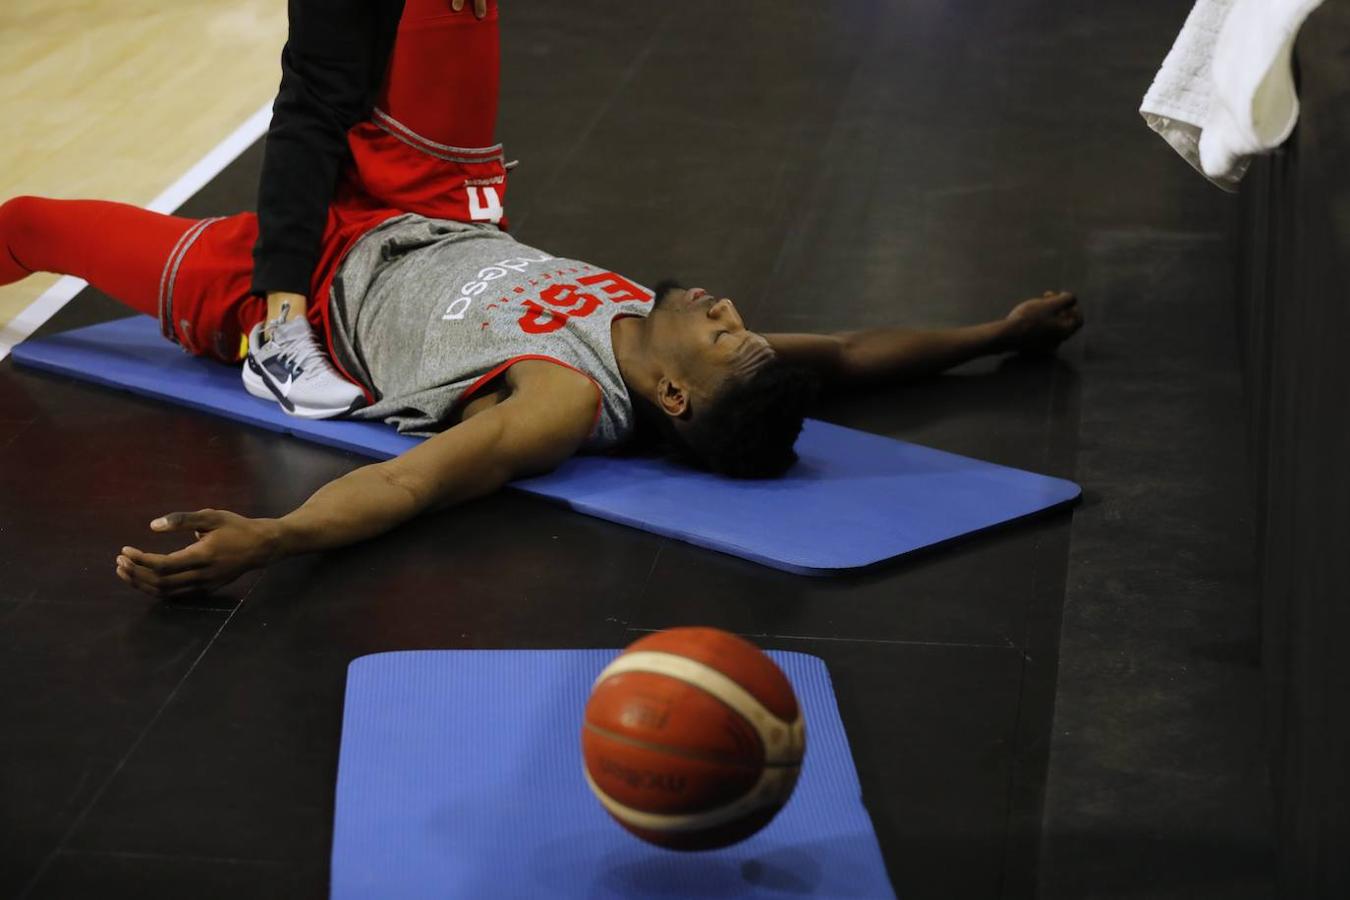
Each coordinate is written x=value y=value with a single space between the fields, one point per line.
x=709 y=681
x=688 y=754
x=750 y=801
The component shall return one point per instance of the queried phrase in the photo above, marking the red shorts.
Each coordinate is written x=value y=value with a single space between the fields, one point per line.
x=425 y=150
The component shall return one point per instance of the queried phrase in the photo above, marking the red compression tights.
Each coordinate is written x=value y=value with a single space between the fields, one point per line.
x=119 y=249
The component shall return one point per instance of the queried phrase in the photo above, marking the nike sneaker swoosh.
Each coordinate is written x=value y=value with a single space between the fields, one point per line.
x=277 y=384
x=257 y=367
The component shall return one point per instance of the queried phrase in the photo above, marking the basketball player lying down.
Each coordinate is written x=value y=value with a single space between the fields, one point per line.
x=509 y=358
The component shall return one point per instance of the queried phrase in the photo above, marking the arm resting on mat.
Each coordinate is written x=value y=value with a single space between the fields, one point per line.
x=880 y=355
x=527 y=434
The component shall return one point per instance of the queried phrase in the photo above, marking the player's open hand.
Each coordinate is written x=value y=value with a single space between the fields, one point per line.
x=1043 y=323
x=227 y=545
x=479 y=6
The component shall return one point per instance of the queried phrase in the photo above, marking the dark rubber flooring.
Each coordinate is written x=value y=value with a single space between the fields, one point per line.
x=831 y=166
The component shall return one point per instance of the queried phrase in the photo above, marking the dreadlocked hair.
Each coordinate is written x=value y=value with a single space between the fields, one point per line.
x=749 y=428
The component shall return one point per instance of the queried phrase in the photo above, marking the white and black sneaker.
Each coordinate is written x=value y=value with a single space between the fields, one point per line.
x=290 y=367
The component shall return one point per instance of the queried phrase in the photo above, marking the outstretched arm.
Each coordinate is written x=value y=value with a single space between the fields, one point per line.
x=881 y=355
x=523 y=435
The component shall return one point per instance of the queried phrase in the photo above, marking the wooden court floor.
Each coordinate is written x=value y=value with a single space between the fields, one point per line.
x=115 y=99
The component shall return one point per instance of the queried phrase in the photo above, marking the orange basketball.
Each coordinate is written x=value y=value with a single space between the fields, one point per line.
x=693 y=738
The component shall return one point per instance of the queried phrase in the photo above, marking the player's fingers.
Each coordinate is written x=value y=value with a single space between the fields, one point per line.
x=128 y=573
x=159 y=585
x=126 y=576
x=480 y=8
x=140 y=576
x=185 y=560
x=201 y=520
x=457 y=5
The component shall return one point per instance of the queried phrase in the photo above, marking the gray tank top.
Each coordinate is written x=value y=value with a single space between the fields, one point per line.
x=425 y=312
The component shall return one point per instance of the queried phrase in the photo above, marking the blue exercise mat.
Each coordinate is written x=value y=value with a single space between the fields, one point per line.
x=854 y=500
x=460 y=775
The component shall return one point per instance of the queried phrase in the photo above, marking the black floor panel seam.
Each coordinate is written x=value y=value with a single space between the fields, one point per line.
x=23 y=428
x=629 y=74
x=1010 y=796
x=18 y=606
x=178 y=857
x=60 y=847
x=656 y=559
x=177 y=607
x=805 y=198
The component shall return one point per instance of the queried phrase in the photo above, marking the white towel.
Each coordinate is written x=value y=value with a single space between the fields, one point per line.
x=1225 y=90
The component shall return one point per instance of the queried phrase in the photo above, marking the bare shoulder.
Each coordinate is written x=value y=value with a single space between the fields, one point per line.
x=538 y=382
x=542 y=382
x=529 y=423
x=548 y=415
x=547 y=392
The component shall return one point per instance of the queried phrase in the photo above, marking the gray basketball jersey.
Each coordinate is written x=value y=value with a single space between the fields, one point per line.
x=425 y=312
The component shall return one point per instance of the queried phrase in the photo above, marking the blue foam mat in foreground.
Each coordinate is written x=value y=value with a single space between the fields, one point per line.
x=854 y=499
x=460 y=775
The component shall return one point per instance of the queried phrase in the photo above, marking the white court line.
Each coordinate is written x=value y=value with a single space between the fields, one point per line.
x=208 y=167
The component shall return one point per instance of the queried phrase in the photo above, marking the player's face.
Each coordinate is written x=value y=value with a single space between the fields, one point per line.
x=704 y=339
